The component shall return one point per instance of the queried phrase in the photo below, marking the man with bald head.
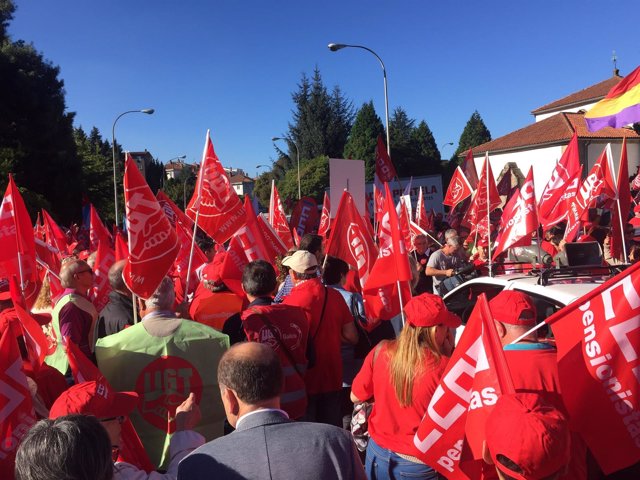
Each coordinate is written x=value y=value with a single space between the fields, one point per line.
x=266 y=444
x=74 y=316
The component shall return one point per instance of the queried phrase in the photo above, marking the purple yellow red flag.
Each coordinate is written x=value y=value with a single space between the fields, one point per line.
x=620 y=107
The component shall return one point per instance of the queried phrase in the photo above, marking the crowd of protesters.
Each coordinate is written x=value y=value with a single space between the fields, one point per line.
x=270 y=378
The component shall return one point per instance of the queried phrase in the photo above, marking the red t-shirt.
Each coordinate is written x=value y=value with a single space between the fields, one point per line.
x=326 y=375
x=534 y=369
x=390 y=425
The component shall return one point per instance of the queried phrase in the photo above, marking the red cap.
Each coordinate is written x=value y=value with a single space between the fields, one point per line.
x=94 y=398
x=530 y=432
x=637 y=208
x=213 y=271
x=513 y=308
x=428 y=310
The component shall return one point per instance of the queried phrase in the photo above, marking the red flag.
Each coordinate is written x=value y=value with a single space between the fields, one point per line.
x=251 y=238
x=421 y=212
x=414 y=231
x=296 y=237
x=621 y=212
x=562 y=186
x=600 y=181
x=350 y=239
x=153 y=244
x=17 y=244
x=38 y=228
x=325 y=218
x=305 y=218
x=478 y=211
x=233 y=266
x=16 y=415
x=385 y=171
x=37 y=344
x=278 y=219
x=598 y=338
x=459 y=189
x=380 y=290
x=181 y=264
x=173 y=212
x=97 y=231
x=221 y=213
x=403 y=220
x=122 y=249
x=378 y=202
x=519 y=219
x=101 y=287
x=469 y=170
x=476 y=375
x=54 y=235
x=274 y=244
x=83 y=370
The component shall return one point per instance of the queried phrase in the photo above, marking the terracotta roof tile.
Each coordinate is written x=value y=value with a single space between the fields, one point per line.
x=555 y=130
x=588 y=95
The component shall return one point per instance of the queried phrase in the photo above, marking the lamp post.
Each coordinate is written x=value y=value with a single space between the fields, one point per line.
x=260 y=166
x=444 y=145
x=148 y=111
x=334 y=47
x=274 y=139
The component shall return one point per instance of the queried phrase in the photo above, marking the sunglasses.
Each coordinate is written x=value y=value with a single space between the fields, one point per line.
x=120 y=419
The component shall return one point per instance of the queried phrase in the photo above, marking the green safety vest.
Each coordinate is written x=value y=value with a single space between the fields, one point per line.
x=58 y=359
x=163 y=371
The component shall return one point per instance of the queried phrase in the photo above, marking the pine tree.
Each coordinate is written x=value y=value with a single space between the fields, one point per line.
x=427 y=150
x=475 y=133
x=362 y=140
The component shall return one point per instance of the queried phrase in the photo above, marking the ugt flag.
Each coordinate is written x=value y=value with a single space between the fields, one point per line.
x=598 y=340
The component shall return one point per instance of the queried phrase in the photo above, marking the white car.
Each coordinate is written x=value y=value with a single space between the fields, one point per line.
x=549 y=295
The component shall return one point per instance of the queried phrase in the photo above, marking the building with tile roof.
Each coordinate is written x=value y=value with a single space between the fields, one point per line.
x=541 y=144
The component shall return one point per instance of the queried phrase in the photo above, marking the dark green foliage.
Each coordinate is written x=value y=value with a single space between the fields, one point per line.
x=36 y=133
x=361 y=144
x=413 y=149
x=321 y=121
x=97 y=172
x=262 y=187
x=475 y=133
x=154 y=175
x=314 y=178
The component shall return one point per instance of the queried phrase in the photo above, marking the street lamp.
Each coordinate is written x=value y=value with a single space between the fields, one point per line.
x=334 y=47
x=148 y=111
x=261 y=166
x=274 y=139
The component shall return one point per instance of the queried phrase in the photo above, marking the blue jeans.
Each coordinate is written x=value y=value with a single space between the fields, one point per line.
x=383 y=464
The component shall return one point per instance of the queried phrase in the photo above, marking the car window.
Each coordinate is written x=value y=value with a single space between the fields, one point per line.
x=545 y=307
x=463 y=300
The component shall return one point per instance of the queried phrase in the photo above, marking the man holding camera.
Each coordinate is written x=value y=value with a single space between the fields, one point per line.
x=443 y=262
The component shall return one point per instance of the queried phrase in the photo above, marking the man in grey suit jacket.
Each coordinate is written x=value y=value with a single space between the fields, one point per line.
x=266 y=444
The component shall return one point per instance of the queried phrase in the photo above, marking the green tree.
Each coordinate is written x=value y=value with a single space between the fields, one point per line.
x=361 y=144
x=180 y=189
x=154 y=175
x=97 y=171
x=36 y=132
x=321 y=121
x=404 y=154
x=425 y=146
x=314 y=178
x=262 y=187
x=475 y=133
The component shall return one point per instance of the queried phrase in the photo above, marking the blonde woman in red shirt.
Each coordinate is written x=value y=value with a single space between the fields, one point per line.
x=402 y=375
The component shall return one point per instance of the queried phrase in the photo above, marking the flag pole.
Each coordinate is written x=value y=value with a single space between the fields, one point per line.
x=488 y=218
x=46 y=267
x=624 y=243
x=610 y=160
x=401 y=301
x=529 y=332
x=195 y=223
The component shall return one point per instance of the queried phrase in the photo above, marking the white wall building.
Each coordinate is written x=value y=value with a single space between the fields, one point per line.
x=541 y=144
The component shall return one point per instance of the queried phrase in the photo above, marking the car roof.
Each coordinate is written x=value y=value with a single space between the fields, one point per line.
x=562 y=290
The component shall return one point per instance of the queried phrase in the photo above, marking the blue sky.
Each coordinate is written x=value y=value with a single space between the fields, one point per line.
x=230 y=66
